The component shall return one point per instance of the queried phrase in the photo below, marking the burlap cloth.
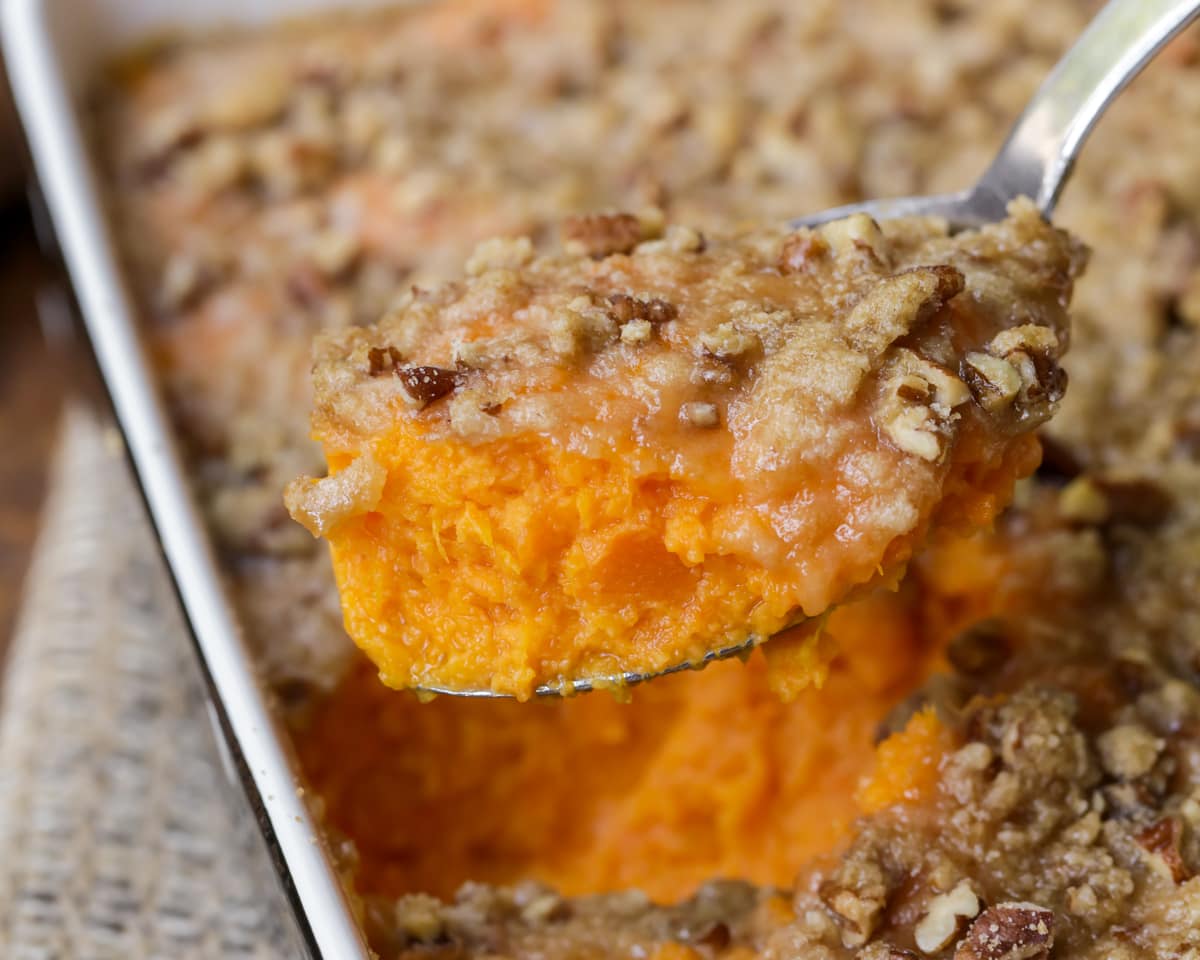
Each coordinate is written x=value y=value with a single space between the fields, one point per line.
x=120 y=835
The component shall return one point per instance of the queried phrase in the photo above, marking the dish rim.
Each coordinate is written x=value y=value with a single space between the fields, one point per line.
x=42 y=48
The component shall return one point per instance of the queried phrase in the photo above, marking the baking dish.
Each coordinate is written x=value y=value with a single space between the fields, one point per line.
x=53 y=48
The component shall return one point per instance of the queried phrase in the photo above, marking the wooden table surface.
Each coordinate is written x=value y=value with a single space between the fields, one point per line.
x=34 y=375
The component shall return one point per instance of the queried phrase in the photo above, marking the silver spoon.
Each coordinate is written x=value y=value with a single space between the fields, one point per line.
x=1034 y=162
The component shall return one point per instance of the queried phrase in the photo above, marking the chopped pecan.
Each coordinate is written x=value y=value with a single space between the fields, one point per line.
x=947 y=918
x=1162 y=840
x=856 y=897
x=1018 y=374
x=684 y=239
x=1187 y=434
x=601 y=234
x=900 y=305
x=626 y=308
x=857 y=916
x=916 y=410
x=582 y=328
x=186 y=280
x=858 y=235
x=306 y=285
x=546 y=907
x=424 y=384
x=1009 y=931
x=660 y=311
x=993 y=380
x=727 y=342
x=714 y=934
x=381 y=360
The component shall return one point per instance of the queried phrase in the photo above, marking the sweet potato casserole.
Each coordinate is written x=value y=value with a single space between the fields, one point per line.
x=1001 y=755
x=680 y=445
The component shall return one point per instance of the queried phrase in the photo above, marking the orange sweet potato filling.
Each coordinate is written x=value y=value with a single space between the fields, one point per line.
x=564 y=563
x=906 y=764
x=703 y=774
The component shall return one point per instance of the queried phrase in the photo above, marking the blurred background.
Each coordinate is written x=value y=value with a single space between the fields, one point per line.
x=36 y=353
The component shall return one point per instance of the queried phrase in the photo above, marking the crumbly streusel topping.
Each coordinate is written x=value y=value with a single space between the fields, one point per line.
x=771 y=334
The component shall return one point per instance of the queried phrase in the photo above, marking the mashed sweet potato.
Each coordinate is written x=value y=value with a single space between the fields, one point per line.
x=699 y=775
x=617 y=458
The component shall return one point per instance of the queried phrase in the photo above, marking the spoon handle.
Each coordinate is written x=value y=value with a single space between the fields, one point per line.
x=1041 y=148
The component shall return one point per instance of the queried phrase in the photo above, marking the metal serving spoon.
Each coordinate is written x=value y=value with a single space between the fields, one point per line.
x=1034 y=162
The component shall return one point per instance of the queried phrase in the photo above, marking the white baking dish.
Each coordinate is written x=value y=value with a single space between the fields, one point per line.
x=53 y=48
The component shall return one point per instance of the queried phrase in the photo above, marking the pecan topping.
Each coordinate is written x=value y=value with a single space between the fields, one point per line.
x=1009 y=931
x=186 y=280
x=500 y=253
x=1162 y=840
x=655 y=310
x=422 y=384
x=1081 y=501
x=947 y=917
x=601 y=234
x=856 y=898
x=857 y=236
x=727 y=342
x=1018 y=374
x=383 y=360
x=993 y=380
x=637 y=318
x=916 y=412
x=425 y=384
x=715 y=934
